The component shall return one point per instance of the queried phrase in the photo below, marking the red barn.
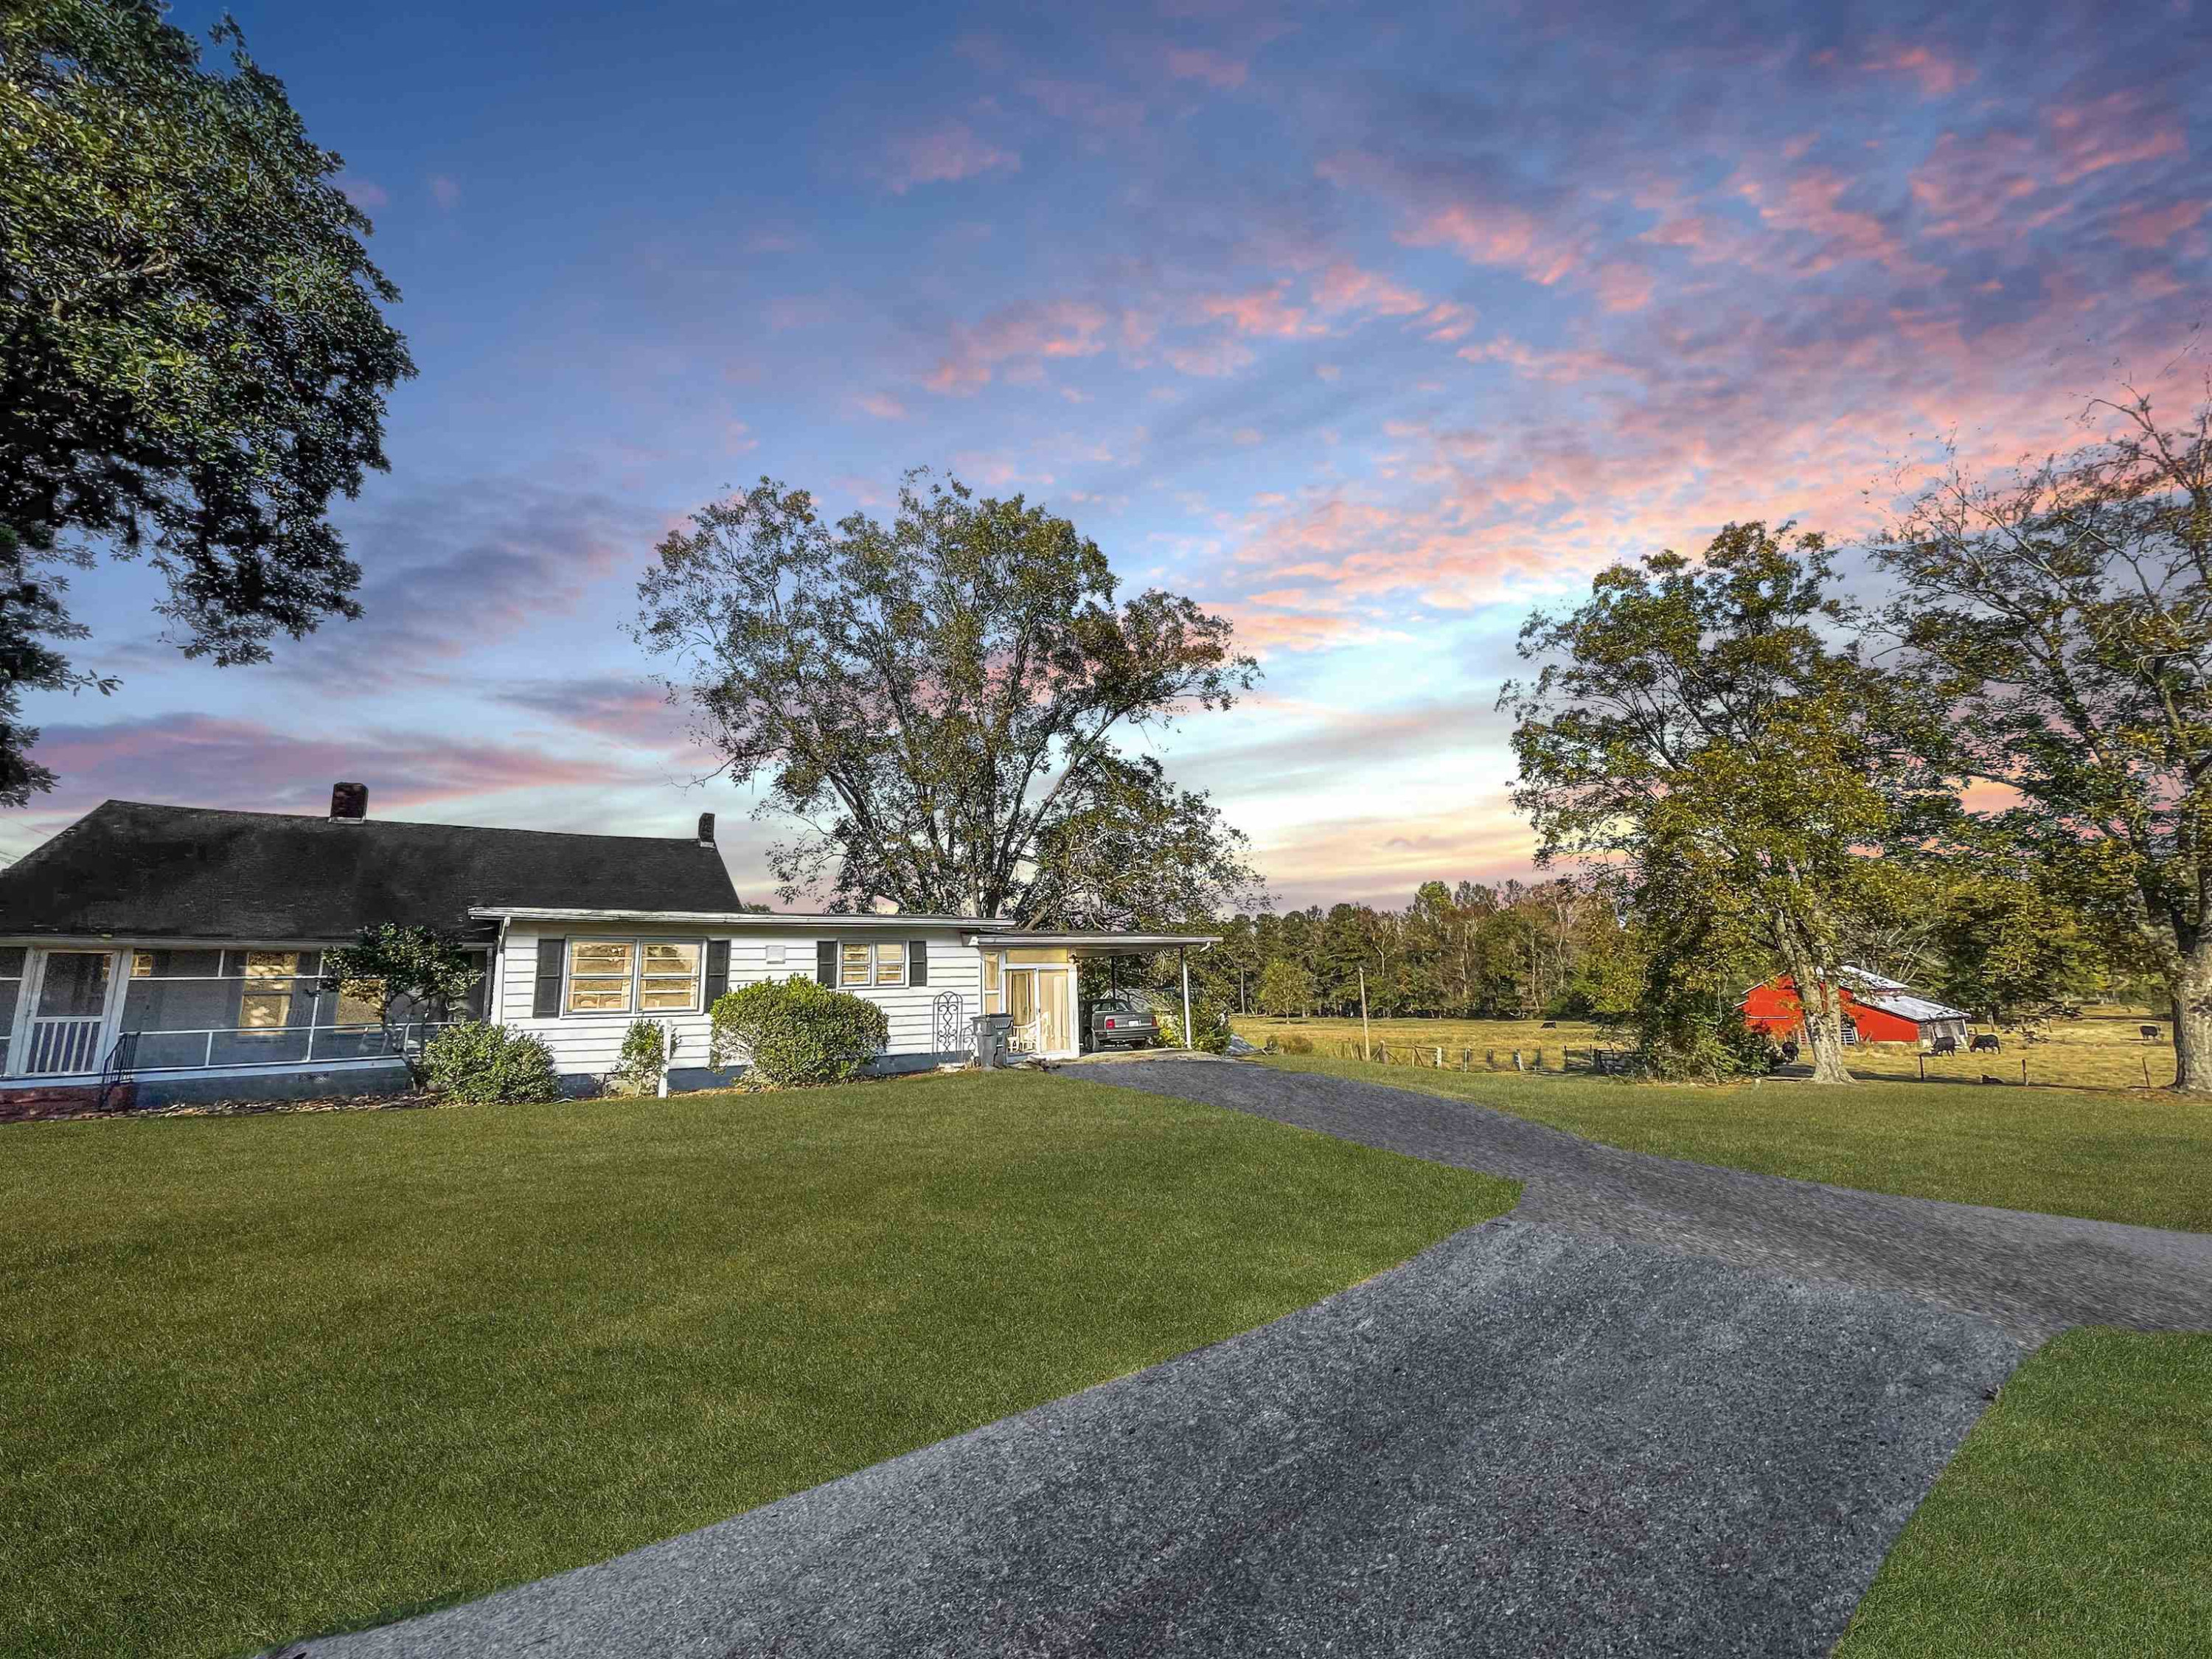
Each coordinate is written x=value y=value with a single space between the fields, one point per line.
x=1875 y=1009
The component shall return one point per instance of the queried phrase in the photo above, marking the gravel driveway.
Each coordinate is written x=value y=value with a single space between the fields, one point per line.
x=1661 y=1409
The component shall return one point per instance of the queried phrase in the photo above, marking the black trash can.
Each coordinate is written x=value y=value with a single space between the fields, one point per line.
x=991 y=1034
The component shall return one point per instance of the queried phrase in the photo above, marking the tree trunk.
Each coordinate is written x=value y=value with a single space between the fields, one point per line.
x=2191 y=989
x=1823 y=1008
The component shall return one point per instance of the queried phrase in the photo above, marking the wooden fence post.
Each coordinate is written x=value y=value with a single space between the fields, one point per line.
x=1467 y=1063
x=1517 y=1066
x=2023 y=1071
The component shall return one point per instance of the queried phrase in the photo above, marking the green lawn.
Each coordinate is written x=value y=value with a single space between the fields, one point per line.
x=264 y=1377
x=2108 y=1155
x=2076 y=1521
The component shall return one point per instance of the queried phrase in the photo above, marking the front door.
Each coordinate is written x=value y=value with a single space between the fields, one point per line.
x=1041 y=1010
x=71 y=1013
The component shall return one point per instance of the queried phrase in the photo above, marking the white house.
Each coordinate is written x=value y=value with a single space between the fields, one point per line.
x=179 y=950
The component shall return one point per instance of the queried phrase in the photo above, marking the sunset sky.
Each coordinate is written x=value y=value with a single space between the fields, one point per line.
x=1371 y=334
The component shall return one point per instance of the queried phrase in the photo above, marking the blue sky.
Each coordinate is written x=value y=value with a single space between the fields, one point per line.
x=1370 y=330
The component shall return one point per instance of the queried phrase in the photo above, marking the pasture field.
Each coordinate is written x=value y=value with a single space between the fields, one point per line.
x=2103 y=1049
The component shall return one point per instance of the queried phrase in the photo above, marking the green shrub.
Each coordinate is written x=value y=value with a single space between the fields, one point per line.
x=482 y=1064
x=797 y=1031
x=1208 y=1019
x=644 y=1052
x=1297 y=1043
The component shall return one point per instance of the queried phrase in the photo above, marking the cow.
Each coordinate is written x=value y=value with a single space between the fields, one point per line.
x=1943 y=1045
x=1985 y=1042
x=2150 y=1033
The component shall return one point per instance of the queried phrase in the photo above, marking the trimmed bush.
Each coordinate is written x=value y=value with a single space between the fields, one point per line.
x=480 y=1064
x=798 y=1031
x=644 y=1052
x=1297 y=1043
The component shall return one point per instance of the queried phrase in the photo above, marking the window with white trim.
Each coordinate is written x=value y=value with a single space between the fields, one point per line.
x=670 y=976
x=601 y=972
x=625 y=976
x=863 y=965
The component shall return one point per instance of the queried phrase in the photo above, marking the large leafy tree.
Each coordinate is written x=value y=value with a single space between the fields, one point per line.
x=193 y=360
x=2065 y=613
x=942 y=704
x=1706 y=727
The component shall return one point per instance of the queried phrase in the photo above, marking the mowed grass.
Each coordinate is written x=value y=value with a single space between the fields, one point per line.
x=2112 y=1157
x=266 y=1376
x=2104 y=1049
x=2076 y=1520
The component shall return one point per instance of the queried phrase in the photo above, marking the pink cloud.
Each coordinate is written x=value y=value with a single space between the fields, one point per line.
x=364 y=194
x=1201 y=63
x=2113 y=131
x=944 y=154
x=1938 y=73
x=1211 y=360
x=1021 y=335
x=883 y=406
x=1496 y=234
x=1262 y=311
x=200 y=760
x=445 y=193
x=1811 y=203
x=1622 y=286
x=1345 y=286
x=2149 y=226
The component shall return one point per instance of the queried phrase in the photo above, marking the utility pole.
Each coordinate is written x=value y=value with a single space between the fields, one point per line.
x=1366 y=1048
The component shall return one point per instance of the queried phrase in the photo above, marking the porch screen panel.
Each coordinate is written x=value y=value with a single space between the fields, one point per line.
x=223 y=1007
x=12 y=960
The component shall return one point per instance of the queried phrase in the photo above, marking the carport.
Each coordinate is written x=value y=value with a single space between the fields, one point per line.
x=1046 y=961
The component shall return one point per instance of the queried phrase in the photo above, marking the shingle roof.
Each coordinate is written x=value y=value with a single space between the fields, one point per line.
x=129 y=867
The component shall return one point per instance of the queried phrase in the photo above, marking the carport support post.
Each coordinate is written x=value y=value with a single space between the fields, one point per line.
x=1182 y=960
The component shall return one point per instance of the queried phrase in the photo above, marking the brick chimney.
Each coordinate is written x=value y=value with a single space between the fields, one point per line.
x=706 y=829
x=348 y=802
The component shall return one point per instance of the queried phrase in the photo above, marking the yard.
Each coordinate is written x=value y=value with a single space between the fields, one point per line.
x=2111 y=1156
x=270 y=1376
x=2076 y=1520
x=2104 y=1049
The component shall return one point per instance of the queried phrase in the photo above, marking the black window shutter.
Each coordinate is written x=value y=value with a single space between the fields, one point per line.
x=825 y=960
x=917 y=962
x=552 y=954
x=717 y=969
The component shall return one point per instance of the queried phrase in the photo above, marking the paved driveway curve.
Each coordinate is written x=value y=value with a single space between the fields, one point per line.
x=1660 y=1410
x=2034 y=1274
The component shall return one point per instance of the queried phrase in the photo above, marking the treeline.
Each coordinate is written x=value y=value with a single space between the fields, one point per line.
x=1512 y=950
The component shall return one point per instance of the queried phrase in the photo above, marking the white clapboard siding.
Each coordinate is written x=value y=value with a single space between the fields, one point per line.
x=591 y=1043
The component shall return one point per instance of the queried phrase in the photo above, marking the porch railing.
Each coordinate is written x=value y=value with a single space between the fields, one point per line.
x=60 y=1044
x=72 y=1046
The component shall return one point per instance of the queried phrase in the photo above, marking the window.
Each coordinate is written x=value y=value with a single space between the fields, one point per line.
x=861 y=965
x=600 y=975
x=991 y=963
x=671 y=976
x=266 y=1002
x=617 y=975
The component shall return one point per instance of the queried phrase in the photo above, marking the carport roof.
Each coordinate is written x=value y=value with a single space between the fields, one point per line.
x=1101 y=944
